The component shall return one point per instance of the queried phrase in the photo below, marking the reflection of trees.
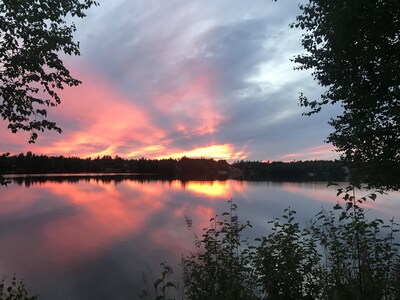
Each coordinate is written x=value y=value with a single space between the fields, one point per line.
x=103 y=179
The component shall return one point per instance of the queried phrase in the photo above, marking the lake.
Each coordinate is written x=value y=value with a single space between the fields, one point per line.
x=85 y=237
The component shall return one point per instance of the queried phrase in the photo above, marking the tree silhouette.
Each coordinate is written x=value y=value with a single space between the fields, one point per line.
x=353 y=48
x=33 y=35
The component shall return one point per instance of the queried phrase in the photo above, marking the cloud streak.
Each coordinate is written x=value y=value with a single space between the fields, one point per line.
x=163 y=79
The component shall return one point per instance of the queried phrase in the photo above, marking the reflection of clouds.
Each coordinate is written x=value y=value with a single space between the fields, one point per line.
x=9 y=205
x=99 y=222
x=102 y=216
x=98 y=215
x=62 y=227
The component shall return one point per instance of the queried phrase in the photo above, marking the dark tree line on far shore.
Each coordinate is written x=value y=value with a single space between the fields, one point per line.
x=325 y=170
x=183 y=168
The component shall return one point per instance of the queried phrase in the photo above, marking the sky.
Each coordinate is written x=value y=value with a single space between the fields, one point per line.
x=174 y=78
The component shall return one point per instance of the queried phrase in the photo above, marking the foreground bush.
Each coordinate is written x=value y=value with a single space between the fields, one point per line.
x=339 y=255
x=14 y=291
x=221 y=266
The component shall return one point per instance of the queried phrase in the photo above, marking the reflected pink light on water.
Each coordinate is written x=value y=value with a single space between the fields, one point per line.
x=104 y=214
x=61 y=227
x=99 y=222
x=145 y=189
x=16 y=201
x=201 y=216
x=101 y=215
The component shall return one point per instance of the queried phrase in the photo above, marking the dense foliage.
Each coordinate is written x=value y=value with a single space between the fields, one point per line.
x=33 y=36
x=219 y=268
x=14 y=290
x=353 y=48
x=339 y=255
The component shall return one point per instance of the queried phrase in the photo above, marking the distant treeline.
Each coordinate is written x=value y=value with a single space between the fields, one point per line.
x=321 y=170
x=184 y=168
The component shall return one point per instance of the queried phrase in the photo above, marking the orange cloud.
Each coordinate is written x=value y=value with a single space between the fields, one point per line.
x=192 y=106
x=147 y=151
x=105 y=118
x=100 y=120
x=225 y=151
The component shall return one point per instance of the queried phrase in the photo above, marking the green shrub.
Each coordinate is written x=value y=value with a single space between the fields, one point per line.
x=221 y=266
x=361 y=257
x=339 y=255
x=287 y=262
x=14 y=291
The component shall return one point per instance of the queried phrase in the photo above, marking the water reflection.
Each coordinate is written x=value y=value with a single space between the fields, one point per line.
x=80 y=237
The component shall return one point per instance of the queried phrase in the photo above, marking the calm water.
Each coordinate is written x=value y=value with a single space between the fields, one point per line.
x=91 y=238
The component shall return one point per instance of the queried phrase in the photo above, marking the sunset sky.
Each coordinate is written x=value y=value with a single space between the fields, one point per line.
x=201 y=78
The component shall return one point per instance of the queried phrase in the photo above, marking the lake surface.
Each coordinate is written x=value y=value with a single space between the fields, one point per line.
x=79 y=237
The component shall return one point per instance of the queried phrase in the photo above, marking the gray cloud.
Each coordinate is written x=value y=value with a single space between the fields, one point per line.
x=233 y=42
x=196 y=63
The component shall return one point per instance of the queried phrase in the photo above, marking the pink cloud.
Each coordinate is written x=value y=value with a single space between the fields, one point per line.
x=225 y=151
x=107 y=120
x=312 y=153
x=192 y=106
x=98 y=119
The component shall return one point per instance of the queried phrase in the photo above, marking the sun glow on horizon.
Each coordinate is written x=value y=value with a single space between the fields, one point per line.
x=223 y=152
